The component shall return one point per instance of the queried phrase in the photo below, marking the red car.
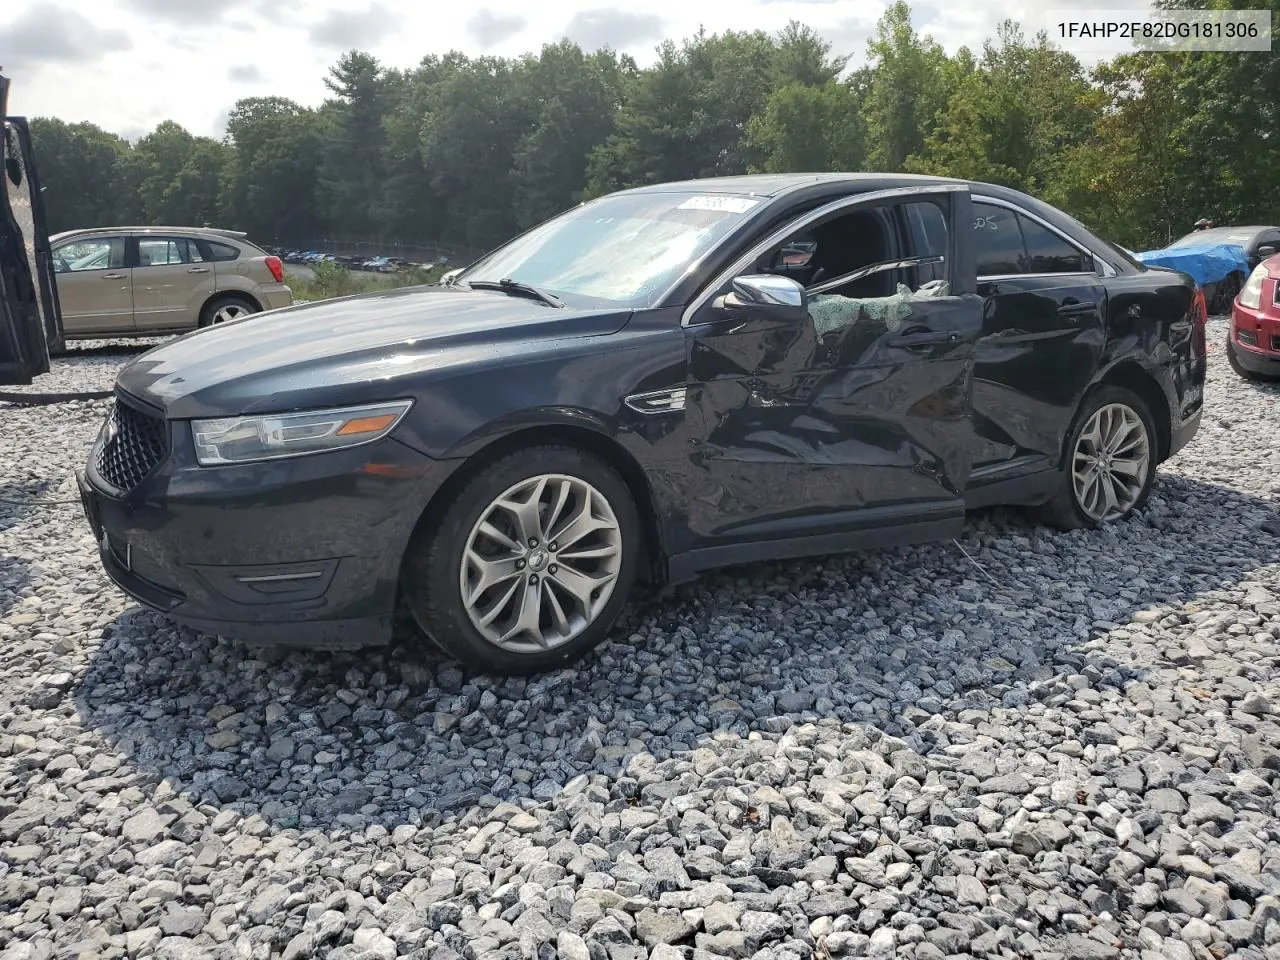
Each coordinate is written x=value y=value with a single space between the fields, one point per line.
x=1253 y=344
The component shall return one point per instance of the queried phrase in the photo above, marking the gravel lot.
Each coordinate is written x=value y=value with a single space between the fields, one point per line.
x=1058 y=746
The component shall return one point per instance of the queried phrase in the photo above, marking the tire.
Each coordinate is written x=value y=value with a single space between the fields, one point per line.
x=1228 y=289
x=442 y=567
x=226 y=307
x=1125 y=411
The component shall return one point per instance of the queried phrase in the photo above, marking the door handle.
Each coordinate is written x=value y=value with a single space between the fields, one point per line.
x=113 y=276
x=198 y=270
x=914 y=341
x=1071 y=308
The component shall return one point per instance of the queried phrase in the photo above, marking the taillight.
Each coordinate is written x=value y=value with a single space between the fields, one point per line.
x=1199 y=318
x=276 y=266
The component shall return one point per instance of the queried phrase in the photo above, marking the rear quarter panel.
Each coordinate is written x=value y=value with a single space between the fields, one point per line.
x=1152 y=322
x=251 y=277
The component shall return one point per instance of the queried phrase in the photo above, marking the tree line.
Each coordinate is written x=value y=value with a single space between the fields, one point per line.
x=470 y=150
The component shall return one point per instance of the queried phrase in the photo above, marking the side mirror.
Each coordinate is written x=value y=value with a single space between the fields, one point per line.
x=1266 y=251
x=767 y=297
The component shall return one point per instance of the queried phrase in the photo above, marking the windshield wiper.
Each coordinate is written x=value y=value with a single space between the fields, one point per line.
x=516 y=288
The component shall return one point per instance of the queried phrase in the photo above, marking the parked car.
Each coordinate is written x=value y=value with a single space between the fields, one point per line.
x=147 y=281
x=1258 y=243
x=634 y=391
x=1253 y=340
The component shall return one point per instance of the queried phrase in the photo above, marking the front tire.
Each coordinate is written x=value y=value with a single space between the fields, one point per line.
x=1109 y=464
x=530 y=565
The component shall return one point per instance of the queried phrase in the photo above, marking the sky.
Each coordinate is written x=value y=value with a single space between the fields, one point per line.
x=126 y=65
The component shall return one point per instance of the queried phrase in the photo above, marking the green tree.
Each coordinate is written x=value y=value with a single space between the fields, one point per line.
x=911 y=80
x=809 y=128
x=83 y=169
x=1128 y=179
x=154 y=164
x=575 y=99
x=1010 y=120
x=351 y=173
x=479 y=112
x=1230 y=127
x=271 y=190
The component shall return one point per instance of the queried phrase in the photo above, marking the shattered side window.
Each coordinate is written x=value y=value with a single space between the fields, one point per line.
x=831 y=313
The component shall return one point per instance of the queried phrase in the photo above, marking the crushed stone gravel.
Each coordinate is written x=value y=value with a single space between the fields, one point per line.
x=1040 y=746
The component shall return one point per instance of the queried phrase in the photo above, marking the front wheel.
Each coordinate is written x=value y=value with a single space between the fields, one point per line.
x=1109 y=465
x=530 y=565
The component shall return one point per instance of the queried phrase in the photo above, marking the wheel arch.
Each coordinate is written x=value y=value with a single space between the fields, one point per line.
x=583 y=438
x=234 y=294
x=1131 y=375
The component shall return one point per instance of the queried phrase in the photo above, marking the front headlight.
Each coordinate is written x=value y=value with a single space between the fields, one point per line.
x=1251 y=292
x=275 y=435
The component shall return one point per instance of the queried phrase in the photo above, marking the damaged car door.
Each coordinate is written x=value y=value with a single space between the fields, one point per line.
x=830 y=376
x=30 y=320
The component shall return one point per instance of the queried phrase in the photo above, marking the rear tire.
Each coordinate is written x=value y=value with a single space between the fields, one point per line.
x=530 y=565
x=1109 y=462
x=227 y=307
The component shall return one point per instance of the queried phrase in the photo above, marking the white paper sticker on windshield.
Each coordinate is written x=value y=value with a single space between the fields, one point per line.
x=727 y=204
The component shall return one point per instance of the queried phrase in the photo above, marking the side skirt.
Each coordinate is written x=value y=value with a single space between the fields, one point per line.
x=684 y=567
x=1023 y=490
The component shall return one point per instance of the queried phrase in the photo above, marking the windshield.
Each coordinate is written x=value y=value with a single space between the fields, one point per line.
x=625 y=250
x=1199 y=237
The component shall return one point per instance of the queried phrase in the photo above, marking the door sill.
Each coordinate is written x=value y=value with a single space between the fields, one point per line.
x=1011 y=486
x=684 y=567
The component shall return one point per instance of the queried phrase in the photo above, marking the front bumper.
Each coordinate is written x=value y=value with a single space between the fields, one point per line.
x=1255 y=334
x=1262 y=362
x=303 y=552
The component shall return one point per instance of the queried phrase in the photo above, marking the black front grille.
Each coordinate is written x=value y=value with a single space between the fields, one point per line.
x=1275 y=341
x=133 y=443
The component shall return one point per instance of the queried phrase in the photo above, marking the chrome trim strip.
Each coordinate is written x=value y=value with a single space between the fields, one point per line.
x=278 y=577
x=791 y=226
x=990 y=277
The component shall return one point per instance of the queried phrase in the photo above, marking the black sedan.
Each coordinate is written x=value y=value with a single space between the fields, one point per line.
x=662 y=381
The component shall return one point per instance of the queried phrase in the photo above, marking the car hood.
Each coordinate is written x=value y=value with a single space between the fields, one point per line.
x=347 y=350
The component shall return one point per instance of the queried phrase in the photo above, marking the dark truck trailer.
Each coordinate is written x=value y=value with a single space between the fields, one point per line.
x=30 y=316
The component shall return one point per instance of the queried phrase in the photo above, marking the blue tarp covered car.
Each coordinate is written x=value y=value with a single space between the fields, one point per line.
x=1219 y=268
x=1211 y=263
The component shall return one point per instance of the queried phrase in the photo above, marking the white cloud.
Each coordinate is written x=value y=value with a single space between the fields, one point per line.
x=139 y=61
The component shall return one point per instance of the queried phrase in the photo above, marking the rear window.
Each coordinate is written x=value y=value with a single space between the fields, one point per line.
x=222 y=251
x=1049 y=253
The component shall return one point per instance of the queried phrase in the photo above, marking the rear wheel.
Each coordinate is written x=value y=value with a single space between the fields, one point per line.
x=224 y=308
x=530 y=565
x=1110 y=462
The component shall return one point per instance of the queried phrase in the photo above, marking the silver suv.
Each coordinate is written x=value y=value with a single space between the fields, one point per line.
x=148 y=281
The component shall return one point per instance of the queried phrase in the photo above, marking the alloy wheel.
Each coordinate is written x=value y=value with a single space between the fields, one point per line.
x=230 y=311
x=1110 y=463
x=540 y=563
